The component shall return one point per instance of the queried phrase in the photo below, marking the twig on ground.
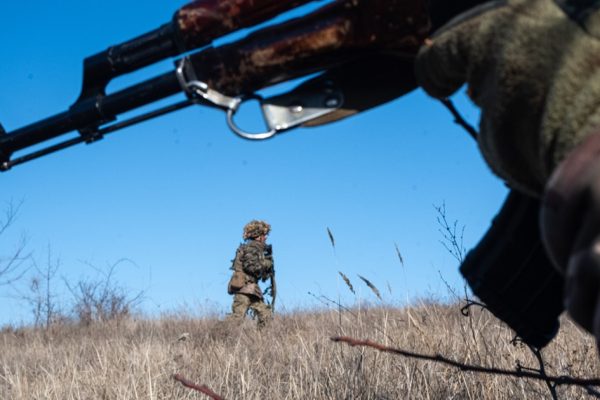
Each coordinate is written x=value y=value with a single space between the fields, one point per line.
x=200 y=388
x=556 y=380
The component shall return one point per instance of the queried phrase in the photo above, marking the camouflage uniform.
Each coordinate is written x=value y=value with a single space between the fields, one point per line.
x=253 y=263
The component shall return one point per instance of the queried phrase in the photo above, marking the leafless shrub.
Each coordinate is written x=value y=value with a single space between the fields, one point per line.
x=102 y=299
x=41 y=296
x=453 y=242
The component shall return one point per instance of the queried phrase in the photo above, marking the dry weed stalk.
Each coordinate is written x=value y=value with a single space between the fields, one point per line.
x=292 y=359
x=331 y=238
x=347 y=282
x=371 y=286
x=399 y=255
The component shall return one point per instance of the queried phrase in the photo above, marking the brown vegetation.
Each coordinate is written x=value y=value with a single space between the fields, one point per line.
x=292 y=359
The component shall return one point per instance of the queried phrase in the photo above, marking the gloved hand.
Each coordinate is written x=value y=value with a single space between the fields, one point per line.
x=268 y=250
x=267 y=270
x=571 y=230
x=532 y=71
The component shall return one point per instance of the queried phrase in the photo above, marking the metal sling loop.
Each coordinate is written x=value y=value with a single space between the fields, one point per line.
x=246 y=135
x=195 y=87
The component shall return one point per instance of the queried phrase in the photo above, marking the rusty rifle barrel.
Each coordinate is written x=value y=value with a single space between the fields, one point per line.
x=194 y=25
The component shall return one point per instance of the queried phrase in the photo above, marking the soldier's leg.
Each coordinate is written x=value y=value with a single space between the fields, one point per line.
x=263 y=312
x=241 y=303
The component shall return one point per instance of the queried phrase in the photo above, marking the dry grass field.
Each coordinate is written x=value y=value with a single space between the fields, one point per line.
x=292 y=359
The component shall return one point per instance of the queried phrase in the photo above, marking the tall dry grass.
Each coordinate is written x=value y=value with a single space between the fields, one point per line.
x=292 y=359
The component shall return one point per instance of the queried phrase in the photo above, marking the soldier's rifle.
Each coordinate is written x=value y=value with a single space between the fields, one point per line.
x=362 y=49
x=271 y=290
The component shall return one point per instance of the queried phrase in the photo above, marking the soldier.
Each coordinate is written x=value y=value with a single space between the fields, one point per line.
x=532 y=67
x=253 y=262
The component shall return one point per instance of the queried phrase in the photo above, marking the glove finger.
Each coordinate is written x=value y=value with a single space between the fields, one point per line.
x=571 y=204
x=443 y=62
x=582 y=288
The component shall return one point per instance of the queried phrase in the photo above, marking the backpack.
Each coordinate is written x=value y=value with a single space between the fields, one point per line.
x=238 y=279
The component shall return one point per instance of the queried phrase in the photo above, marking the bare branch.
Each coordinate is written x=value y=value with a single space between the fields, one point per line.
x=10 y=214
x=12 y=266
x=465 y=310
x=327 y=301
x=453 y=237
x=458 y=118
x=519 y=373
x=200 y=388
x=42 y=297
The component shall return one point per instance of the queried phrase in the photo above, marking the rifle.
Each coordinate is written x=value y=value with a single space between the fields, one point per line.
x=373 y=39
x=272 y=290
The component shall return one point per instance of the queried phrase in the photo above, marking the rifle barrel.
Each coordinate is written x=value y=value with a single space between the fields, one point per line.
x=88 y=115
x=194 y=25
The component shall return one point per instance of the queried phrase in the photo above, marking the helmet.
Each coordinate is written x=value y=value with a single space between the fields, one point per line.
x=256 y=228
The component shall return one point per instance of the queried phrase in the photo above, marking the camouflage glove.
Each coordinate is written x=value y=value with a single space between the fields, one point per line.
x=267 y=272
x=268 y=251
x=532 y=71
x=530 y=66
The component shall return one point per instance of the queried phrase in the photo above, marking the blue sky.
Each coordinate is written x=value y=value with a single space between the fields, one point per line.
x=173 y=194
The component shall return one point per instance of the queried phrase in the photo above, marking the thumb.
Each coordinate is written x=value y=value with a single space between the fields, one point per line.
x=444 y=61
